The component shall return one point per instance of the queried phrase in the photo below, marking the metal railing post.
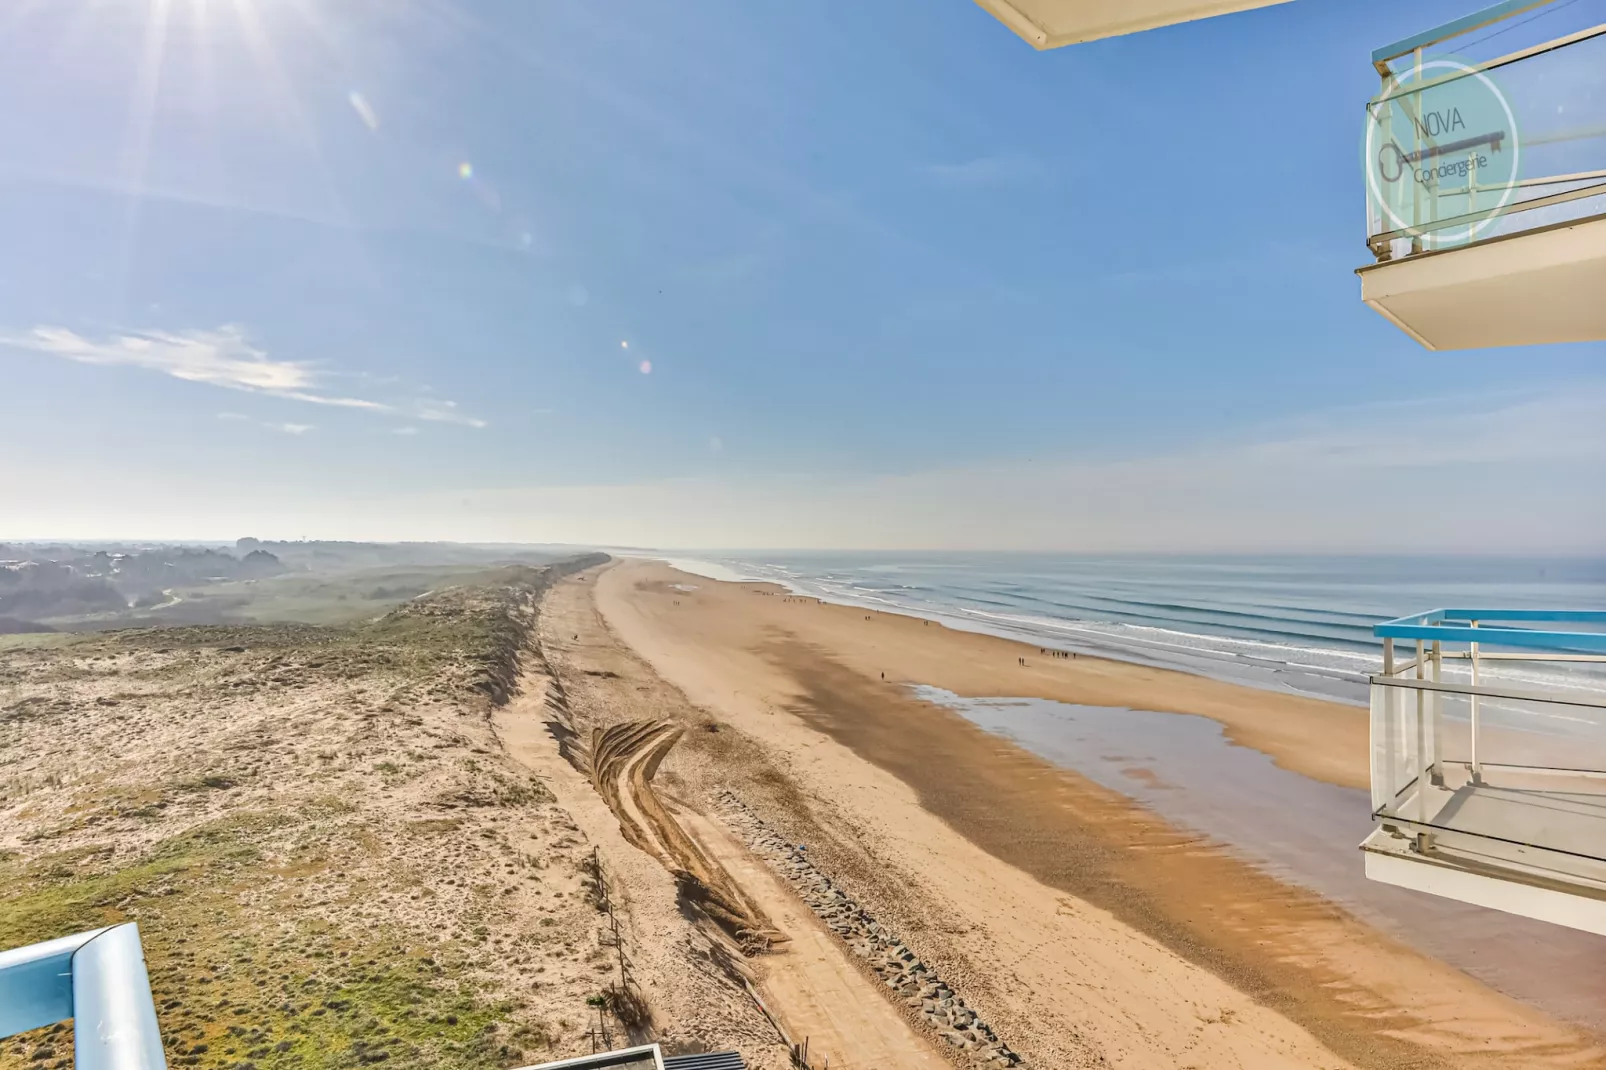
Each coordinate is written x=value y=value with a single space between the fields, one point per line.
x=1416 y=187
x=1385 y=216
x=1477 y=767
x=1421 y=765
x=114 y=1018
x=1438 y=706
x=96 y=978
x=1389 y=699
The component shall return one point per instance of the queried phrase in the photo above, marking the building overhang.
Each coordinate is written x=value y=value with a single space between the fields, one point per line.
x=1047 y=24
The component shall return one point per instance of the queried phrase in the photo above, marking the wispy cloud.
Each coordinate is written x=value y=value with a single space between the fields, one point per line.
x=445 y=412
x=984 y=171
x=288 y=429
x=223 y=357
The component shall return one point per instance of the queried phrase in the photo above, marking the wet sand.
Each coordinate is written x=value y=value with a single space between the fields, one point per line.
x=1299 y=831
x=1147 y=912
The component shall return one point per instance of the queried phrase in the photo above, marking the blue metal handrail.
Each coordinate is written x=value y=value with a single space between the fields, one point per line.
x=97 y=979
x=1456 y=626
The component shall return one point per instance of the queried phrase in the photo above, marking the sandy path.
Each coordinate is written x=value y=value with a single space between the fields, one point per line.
x=663 y=946
x=809 y=982
x=1089 y=933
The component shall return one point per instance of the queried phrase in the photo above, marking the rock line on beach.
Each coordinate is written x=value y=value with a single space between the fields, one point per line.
x=898 y=967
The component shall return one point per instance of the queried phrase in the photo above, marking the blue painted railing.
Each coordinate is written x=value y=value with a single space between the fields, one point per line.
x=98 y=980
x=1456 y=626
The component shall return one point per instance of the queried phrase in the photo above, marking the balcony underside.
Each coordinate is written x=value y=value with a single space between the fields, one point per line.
x=1052 y=23
x=1555 y=905
x=1521 y=849
x=1532 y=288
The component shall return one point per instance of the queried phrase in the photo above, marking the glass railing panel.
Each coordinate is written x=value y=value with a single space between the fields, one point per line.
x=1520 y=770
x=1459 y=152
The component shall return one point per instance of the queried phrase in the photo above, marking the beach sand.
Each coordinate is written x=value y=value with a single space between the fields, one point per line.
x=1084 y=928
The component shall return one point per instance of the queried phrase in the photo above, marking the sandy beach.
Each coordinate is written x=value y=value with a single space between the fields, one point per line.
x=1087 y=930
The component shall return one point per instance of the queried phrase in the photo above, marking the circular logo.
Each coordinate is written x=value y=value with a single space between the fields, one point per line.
x=1441 y=155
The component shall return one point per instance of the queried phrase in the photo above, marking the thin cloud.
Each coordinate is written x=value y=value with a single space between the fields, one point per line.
x=285 y=428
x=983 y=171
x=344 y=403
x=446 y=412
x=224 y=358
x=219 y=358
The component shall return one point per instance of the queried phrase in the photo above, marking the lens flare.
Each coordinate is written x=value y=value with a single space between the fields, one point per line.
x=364 y=110
x=624 y=345
x=646 y=367
x=465 y=170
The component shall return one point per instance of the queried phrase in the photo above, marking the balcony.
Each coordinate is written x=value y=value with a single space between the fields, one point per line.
x=1489 y=761
x=1486 y=184
x=1051 y=23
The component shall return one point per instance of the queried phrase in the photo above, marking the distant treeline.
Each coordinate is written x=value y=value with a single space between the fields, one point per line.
x=60 y=581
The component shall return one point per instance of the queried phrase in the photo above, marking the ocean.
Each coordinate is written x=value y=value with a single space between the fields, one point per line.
x=1301 y=624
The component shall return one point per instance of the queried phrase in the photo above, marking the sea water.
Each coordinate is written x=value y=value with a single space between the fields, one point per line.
x=1300 y=624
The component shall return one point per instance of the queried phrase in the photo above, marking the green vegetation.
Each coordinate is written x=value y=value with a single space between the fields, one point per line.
x=240 y=988
x=294 y=912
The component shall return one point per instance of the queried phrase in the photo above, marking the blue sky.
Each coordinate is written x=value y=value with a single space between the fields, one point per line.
x=367 y=270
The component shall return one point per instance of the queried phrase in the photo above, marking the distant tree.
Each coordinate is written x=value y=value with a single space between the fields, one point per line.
x=260 y=563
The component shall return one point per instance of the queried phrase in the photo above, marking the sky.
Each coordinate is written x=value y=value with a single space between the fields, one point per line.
x=731 y=274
